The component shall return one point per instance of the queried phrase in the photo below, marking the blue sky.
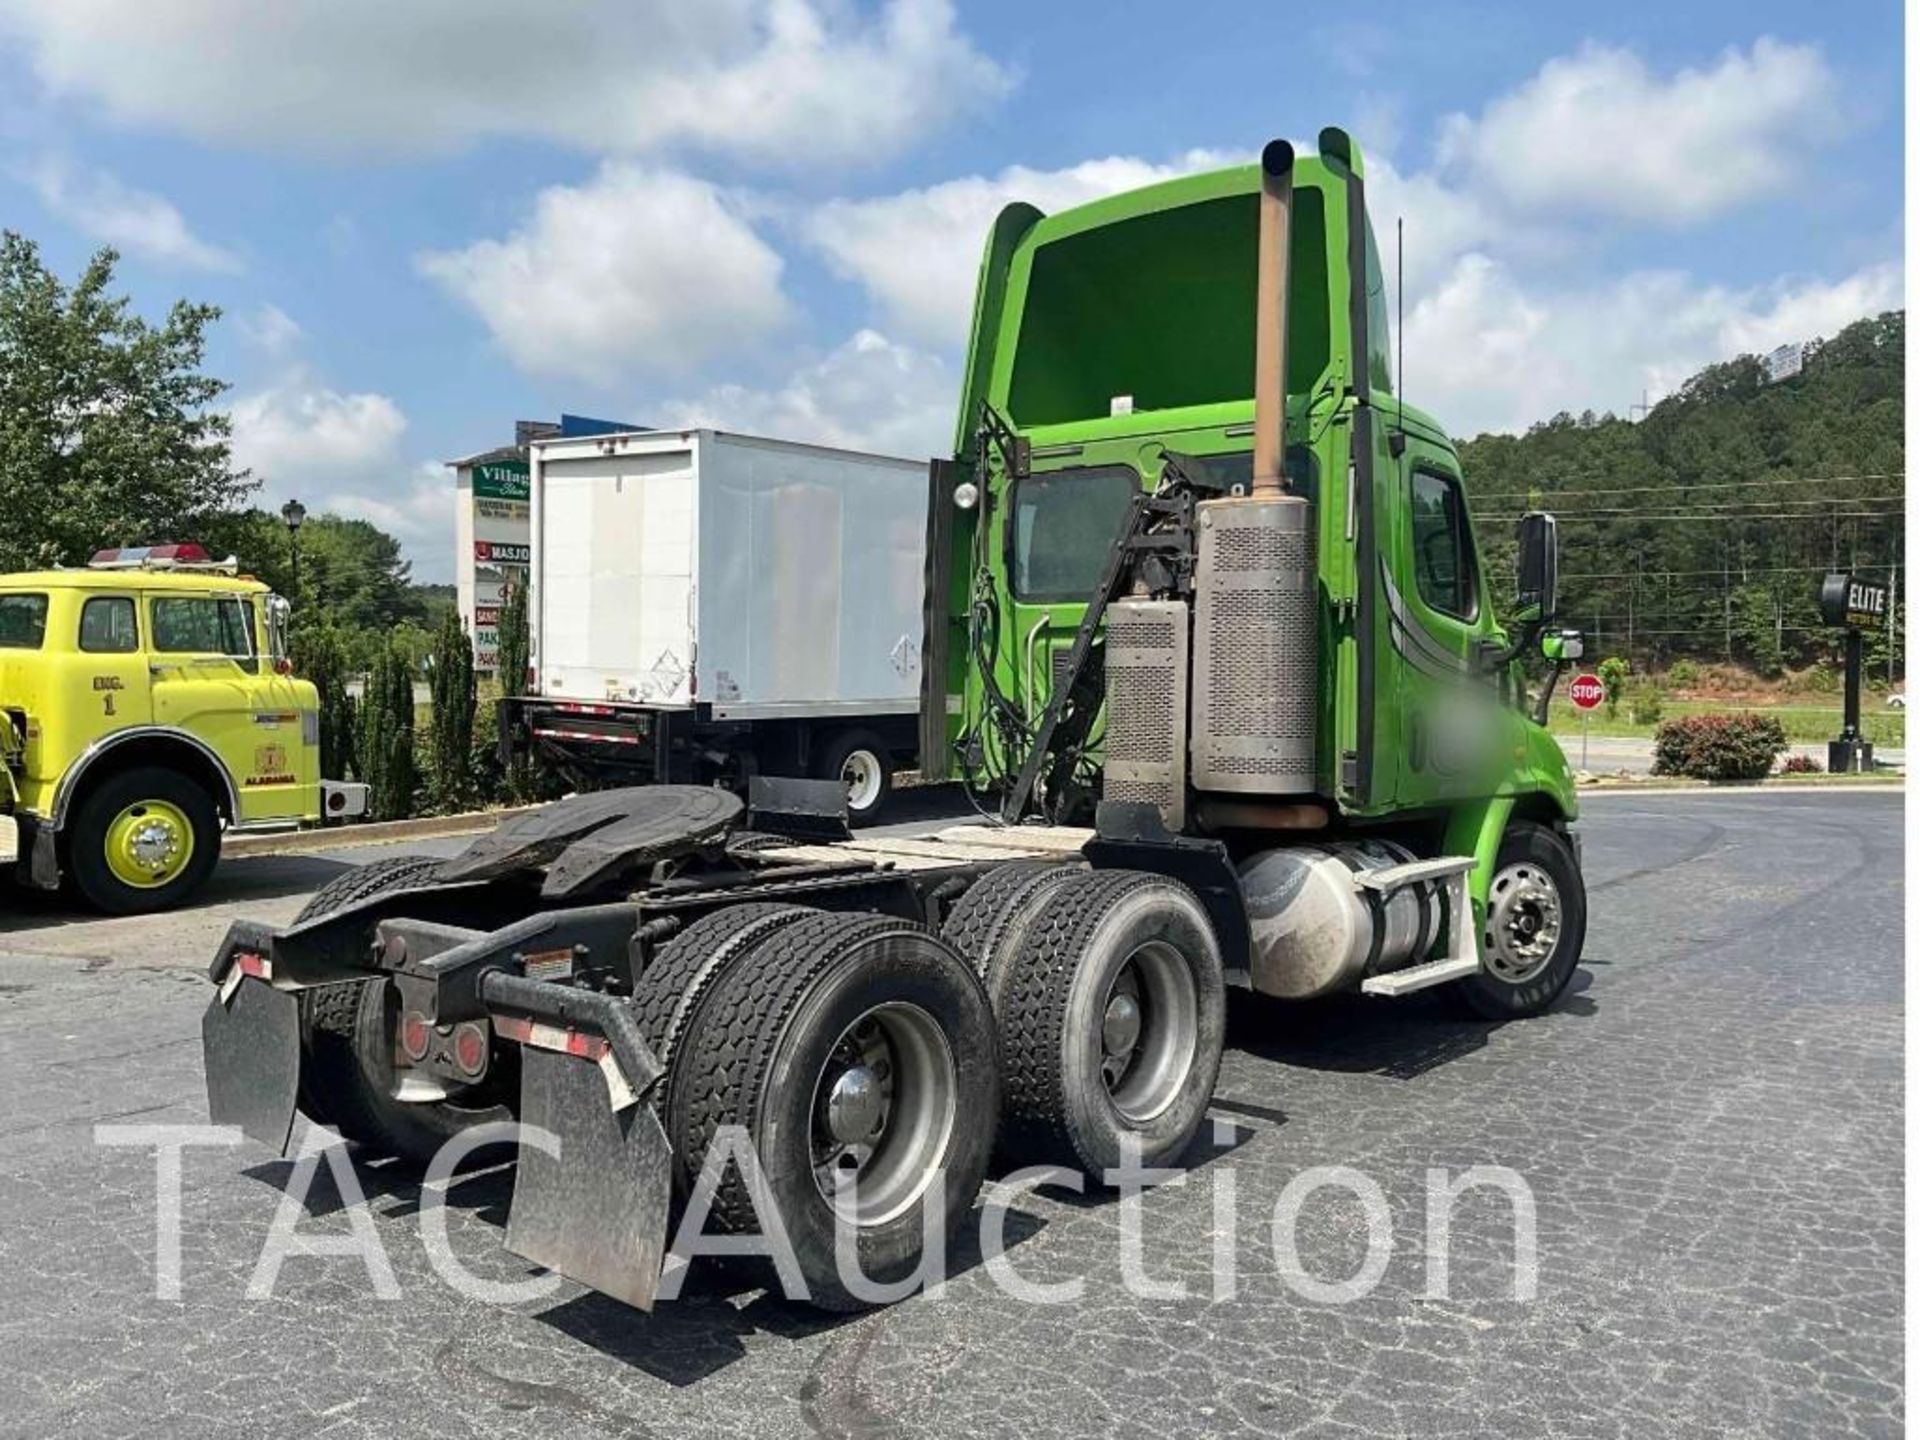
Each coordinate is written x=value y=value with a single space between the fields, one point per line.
x=429 y=218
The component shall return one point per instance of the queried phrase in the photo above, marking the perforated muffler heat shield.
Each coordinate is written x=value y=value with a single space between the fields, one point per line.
x=1255 y=677
x=1146 y=741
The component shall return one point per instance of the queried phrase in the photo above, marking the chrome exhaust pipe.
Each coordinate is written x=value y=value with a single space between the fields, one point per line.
x=1270 y=322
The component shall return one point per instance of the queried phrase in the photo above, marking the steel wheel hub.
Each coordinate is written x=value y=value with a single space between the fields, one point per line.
x=1149 y=1031
x=148 y=844
x=883 y=1113
x=1523 y=922
x=863 y=776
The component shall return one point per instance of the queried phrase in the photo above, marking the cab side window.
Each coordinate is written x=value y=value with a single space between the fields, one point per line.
x=1443 y=546
x=201 y=625
x=23 y=621
x=108 y=627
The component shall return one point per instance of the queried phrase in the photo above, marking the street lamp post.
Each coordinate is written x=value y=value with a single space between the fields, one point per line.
x=295 y=514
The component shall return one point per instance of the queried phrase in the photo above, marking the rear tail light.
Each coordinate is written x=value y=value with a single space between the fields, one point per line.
x=470 y=1046
x=415 y=1036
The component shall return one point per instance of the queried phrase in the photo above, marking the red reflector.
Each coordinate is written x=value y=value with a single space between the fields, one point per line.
x=470 y=1047
x=414 y=1036
x=247 y=963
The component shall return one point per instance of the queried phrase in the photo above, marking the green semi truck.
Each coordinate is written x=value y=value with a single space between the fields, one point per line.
x=1206 y=629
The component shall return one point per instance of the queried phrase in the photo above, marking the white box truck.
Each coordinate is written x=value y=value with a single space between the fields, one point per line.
x=707 y=606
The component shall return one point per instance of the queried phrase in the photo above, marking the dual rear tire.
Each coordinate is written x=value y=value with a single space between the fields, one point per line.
x=1110 y=996
x=855 y=1055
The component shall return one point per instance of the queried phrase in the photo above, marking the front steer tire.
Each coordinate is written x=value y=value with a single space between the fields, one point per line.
x=1076 y=1093
x=87 y=839
x=1534 y=861
x=347 y=1040
x=764 y=1053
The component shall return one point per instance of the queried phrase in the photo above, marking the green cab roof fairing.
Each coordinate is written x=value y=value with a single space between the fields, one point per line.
x=1149 y=294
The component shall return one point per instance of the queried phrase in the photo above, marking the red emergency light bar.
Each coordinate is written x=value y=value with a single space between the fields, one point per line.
x=160 y=557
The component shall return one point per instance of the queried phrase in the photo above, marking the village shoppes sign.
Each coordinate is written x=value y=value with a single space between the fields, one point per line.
x=502 y=480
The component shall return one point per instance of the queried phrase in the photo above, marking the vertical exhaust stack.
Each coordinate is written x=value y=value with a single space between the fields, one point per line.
x=1255 y=695
x=1270 y=321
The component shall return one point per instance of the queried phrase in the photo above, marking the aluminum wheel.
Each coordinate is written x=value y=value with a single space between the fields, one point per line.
x=1524 y=917
x=1149 y=1031
x=883 y=1113
x=865 y=777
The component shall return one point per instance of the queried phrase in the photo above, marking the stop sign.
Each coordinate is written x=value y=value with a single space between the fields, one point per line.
x=1586 y=692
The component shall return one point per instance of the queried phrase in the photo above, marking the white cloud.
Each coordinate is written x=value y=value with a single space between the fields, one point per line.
x=135 y=222
x=637 y=269
x=1487 y=351
x=803 y=82
x=1598 y=132
x=301 y=438
x=916 y=253
x=870 y=393
x=269 y=330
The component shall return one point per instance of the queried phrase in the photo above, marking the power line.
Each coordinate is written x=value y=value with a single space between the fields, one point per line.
x=1801 y=515
x=1717 y=570
x=1682 y=485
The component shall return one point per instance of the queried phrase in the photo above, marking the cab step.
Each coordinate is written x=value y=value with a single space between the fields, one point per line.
x=1395 y=983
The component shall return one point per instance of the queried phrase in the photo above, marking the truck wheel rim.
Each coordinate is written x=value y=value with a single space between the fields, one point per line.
x=1149 y=1031
x=883 y=1113
x=863 y=775
x=1523 y=923
x=148 y=844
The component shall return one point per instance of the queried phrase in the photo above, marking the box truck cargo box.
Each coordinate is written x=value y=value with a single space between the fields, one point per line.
x=735 y=603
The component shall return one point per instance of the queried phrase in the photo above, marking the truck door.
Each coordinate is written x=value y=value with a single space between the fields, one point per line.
x=204 y=655
x=107 y=644
x=1436 y=613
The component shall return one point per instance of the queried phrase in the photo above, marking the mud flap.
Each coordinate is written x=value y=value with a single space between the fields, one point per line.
x=595 y=1209
x=250 y=1045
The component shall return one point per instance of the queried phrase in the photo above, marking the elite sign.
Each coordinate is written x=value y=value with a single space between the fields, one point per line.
x=1854 y=603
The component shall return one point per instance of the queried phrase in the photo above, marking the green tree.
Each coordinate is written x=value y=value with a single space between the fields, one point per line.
x=515 y=641
x=451 y=680
x=1613 y=675
x=386 y=736
x=107 y=435
x=319 y=655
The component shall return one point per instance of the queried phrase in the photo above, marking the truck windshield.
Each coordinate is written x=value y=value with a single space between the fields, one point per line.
x=23 y=621
x=1064 y=525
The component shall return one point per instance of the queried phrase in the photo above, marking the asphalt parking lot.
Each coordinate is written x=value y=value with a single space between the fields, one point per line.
x=1710 y=1125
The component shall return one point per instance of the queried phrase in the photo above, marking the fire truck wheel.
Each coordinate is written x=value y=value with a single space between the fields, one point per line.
x=1536 y=925
x=347 y=1043
x=142 y=840
x=1112 y=1020
x=855 y=1055
x=861 y=759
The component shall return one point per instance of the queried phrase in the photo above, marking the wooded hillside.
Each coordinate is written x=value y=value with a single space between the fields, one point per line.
x=1703 y=529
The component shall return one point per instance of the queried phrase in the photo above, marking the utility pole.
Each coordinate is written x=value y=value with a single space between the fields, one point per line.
x=1893 y=630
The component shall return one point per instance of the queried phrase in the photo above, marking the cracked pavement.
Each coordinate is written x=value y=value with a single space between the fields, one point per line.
x=1710 y=1123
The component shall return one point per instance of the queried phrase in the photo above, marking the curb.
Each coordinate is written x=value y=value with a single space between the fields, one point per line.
x=379 y=832
x=1746 y=787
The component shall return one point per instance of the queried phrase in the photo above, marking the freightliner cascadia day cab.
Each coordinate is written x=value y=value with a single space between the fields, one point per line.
x=1192 y=573
x=707 y=607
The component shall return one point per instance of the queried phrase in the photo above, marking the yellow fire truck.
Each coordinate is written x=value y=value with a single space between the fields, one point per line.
x=147 y=706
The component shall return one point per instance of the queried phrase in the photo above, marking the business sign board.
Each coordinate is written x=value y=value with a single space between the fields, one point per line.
x=502 y=480
x=492 y=546
x=1846 y=600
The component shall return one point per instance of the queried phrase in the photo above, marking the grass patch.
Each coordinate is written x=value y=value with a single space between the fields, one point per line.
x=1804 y=724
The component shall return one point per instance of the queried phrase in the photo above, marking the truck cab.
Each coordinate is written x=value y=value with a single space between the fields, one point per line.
x=151 y=707
x=1113 y=352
